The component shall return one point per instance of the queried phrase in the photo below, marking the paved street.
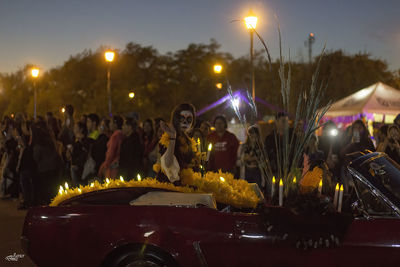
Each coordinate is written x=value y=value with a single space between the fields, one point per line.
x=11 y=222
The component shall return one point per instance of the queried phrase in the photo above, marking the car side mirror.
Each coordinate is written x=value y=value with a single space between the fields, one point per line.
x=358 y=209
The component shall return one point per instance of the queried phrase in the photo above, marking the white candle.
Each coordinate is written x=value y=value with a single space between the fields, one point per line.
x=209 y=151
x=340 y=199
x=280 y=193
x=273 y=187
x=320 y=187
x=335 y=198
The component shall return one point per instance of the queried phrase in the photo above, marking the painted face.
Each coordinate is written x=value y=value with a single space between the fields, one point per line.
x=185 y=120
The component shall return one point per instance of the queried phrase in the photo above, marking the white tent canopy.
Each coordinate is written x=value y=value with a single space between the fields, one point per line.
x=378 y=98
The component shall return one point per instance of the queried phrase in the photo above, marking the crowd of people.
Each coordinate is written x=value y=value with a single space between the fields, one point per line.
x=37 y=156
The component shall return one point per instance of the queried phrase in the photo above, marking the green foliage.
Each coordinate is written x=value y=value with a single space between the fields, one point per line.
x=161 y=81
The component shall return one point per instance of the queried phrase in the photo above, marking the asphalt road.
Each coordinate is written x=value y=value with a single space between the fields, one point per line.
x=11 y=223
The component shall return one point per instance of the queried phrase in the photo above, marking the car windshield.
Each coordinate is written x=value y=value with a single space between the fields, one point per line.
x=384 y=174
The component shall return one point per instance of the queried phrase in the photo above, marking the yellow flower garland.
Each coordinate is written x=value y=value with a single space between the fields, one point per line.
x=311 y=180
x=223 y=186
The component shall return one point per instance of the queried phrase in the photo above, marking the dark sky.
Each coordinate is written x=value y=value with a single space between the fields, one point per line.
x=47 y=32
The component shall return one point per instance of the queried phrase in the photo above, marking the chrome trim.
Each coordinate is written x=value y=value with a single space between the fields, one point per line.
x=199 y=253
x=374 y=190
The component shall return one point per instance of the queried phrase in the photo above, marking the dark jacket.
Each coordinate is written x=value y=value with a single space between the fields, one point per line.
x=130 y=160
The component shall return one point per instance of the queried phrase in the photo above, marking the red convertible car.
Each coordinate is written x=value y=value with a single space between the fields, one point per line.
x=153 y=227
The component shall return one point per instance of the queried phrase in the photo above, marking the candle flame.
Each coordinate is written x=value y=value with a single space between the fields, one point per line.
x=209 y=147
x=79 y=190
x=222 y=179
x=294 y=180
x=280 y=182
x=139 y=178
x=121 y=178
x=273 y=180
x=198 y=141
x=320 y=183
x=337 y=187
x=341 y=188
x=66 y=186
x=107 y=180
x=92 y=184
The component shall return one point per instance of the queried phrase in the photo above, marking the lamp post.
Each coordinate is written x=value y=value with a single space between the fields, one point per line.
x=109 y=56
x=35 y=75
x=251 y=23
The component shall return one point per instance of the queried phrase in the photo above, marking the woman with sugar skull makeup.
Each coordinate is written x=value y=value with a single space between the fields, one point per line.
x=178 y=154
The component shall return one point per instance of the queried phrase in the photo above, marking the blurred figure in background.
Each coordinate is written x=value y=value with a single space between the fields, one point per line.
x=149 y=143
x=224 y=147
x=109 y=168
x=130 y=162
x=99 y=147
x=92 y=124
x=155 y=153
x=250 y=157
x=328 y=143
x=390 y=145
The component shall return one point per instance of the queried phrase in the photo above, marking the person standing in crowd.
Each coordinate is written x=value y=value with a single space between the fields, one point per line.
x=109 y=168
x=92 y=124
x=131 y=155
x=224 y=147
x=391 y=143
x=328 y=143
x=149 y=143
x=154 y=154
x=26 y=167
x=99 y=147
x=250 y=155
x=66 y=135
x=79 y=152
x=359 y=142
x=205 y=128
x=396 y=121
x=10 y=179
x=47 y=162
x=312 y=156
x=277 y=142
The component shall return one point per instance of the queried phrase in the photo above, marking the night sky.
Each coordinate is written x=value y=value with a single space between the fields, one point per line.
x=47 y=32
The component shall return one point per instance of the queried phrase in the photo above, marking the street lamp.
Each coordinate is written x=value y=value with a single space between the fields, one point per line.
x=109 y=56
x=131 y=95
x=217 y=68
x=35 y=75
x=251 y=23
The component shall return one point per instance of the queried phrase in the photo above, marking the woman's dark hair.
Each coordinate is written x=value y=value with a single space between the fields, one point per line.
x=94 y=118
x=252 y=130
x=107 y=123
x=365 y=133
x=150 y=122
x=118 y=121
x=40 y=136
x=131 y=122
x=177 y=111
x=83 y=128
x=69 y=109
x=52 y=125
x=221 y=117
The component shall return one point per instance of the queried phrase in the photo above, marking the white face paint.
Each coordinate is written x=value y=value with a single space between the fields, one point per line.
x=185 y=120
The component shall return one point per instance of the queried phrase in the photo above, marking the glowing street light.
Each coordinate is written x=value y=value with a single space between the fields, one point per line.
x=217 y=68
x=131 y=95
x=62 y=110
x=35 y=74
x=251 y=24
x=109 y=56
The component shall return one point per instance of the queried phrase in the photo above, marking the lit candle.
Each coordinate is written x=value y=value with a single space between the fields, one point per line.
x=222 y=179
x=294 y=180
x=340 y=199
x=320 y=187
x=280 y=192
x=139 y=178
x=66 y=186
x=335 y=198
x=208 y=152
x=273 y=187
